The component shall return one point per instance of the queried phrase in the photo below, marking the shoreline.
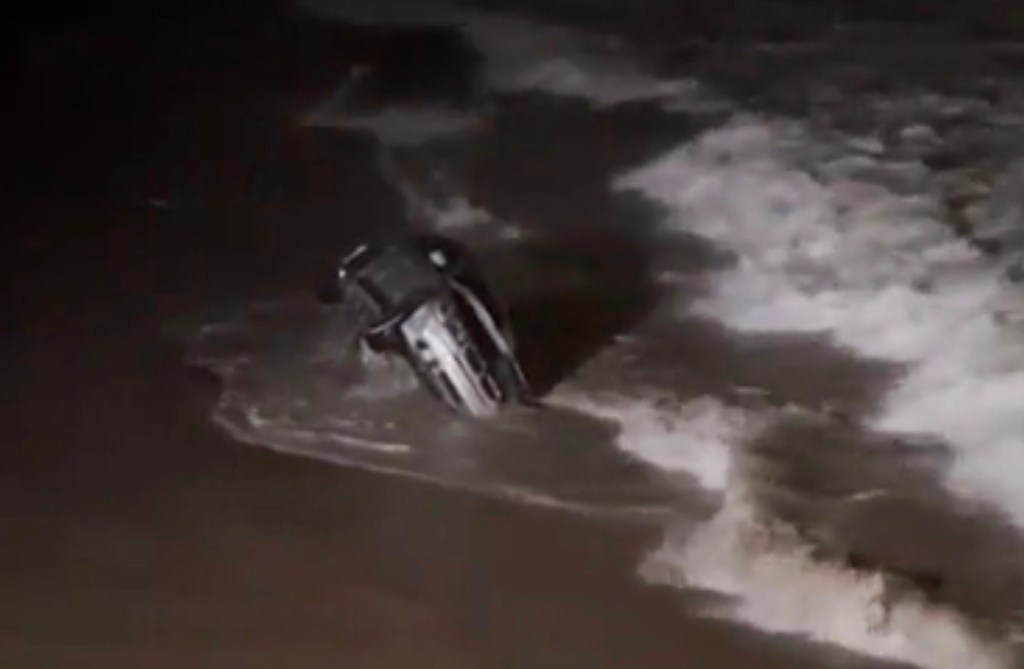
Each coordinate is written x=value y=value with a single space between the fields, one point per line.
x=146 y=536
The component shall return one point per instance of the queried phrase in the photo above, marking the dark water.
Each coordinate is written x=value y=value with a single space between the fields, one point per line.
x=185 y=229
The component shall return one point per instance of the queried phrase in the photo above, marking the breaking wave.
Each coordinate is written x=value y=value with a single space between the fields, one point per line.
x=825 y=242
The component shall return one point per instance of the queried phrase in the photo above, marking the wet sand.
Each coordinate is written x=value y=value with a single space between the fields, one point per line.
x=137 y=534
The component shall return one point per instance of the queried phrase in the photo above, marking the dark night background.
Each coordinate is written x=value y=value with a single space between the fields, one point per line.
x=115 y=487
x=983 y=17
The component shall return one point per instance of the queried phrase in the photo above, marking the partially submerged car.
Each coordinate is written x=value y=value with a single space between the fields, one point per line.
x=424 y=299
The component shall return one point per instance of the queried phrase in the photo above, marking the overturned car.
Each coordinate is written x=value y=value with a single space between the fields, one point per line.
x=424 y=299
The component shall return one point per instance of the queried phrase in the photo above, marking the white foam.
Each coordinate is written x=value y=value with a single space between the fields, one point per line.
x=841 y=253
x=847 y=258
x=396 y=126
x=446 y=213
x=972 y=394
x=693 y=437
x=458 y=213
x=289 y=443
x=774 y=582
x=832 y=238
x=525 y=55
x=386 y=377
x=768 y=572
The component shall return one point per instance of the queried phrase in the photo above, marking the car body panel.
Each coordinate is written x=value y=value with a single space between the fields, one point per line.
x=437 y=312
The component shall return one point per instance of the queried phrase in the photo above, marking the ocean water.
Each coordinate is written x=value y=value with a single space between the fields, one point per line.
x=772 y=296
